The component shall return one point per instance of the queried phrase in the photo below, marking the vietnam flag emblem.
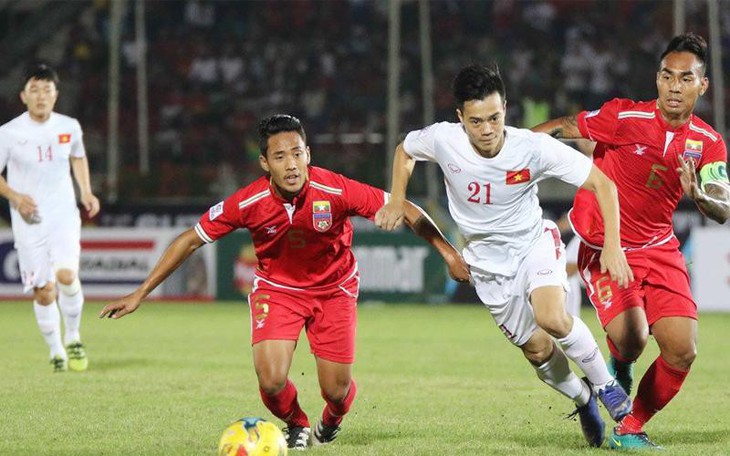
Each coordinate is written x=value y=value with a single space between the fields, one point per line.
x=521 y=176
x=64 y=138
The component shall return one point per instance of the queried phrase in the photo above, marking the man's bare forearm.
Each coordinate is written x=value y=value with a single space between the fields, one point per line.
x=562 y=127
x=715 y=201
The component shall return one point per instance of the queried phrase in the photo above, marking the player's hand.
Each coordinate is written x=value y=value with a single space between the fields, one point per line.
x=688 y=178
x=390 y=216
x=27 y=208
x=122 y=307
x=614 y=261
x=458 y=268
x=91 y=204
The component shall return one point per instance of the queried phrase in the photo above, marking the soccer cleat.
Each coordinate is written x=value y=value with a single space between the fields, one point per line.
x=297 y=437
x=617 y=402
x=324 y=434
x=638 y=441
x=591 y=422
x=622 y=372
x=59 y=364
x=77 y=360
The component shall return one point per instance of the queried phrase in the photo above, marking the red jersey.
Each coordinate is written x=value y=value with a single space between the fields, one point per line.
x=639 y=151
x=304 y=243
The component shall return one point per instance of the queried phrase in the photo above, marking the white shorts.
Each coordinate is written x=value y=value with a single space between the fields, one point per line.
x=508 y=298
x=59 y=247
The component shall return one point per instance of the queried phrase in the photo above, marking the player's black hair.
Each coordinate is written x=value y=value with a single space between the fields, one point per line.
x=277 y=124
x=40 y=72
x=476 y=82
x=688 y=42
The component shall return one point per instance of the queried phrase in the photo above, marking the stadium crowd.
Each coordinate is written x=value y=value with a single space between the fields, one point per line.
x=214 y=67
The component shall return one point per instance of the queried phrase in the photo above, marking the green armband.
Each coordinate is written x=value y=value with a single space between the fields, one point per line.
x=713 y=172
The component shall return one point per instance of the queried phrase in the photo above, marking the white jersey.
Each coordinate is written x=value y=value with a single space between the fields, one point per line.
x=494 y=200
x=37 y=158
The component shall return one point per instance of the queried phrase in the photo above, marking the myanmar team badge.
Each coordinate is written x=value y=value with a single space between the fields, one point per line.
x=693 y=150
x=321 y=215
x=64 y=138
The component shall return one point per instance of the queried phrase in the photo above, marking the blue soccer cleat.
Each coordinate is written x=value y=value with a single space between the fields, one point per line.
x=638 y=441
x=591 y=422
x=617 y=402
x=622 y=372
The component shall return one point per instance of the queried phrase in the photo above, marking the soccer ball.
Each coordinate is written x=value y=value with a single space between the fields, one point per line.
x=252 y=437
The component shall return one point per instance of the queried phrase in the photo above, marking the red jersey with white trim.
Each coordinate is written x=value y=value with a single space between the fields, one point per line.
x=640 y=152
x=304 y=243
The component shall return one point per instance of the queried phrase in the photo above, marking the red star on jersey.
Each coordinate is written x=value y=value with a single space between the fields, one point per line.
x=521 y=176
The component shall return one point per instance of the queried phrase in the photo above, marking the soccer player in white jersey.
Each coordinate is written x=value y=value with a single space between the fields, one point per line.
x=516 y=257
x=38 y=148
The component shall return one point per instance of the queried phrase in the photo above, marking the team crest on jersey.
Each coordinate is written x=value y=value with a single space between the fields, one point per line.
x=693 y=150
x=64 y=138
x=215 y=211
x=321 y=215
x=521 y=176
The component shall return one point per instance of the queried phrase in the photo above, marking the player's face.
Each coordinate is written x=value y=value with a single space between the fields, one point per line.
x=679 y=83
x=483 y=121
x=286 y=160
x=39 y=97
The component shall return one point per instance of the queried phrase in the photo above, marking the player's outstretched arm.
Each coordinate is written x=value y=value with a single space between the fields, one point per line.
x=714 y=201
x=421 y=224
x=562 y=127
x=175 y=255
x=612 y=258
x=390 y=216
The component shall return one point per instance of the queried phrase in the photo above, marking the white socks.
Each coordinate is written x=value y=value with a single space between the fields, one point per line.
x=581 y=347
x=71 y=302
x=557 y=374
x=49 y=322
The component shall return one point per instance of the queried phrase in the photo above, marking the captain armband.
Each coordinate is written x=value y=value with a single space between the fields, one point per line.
x=715 y=172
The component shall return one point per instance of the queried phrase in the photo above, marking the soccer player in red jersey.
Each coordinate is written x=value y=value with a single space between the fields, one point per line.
x=653 y=151
x=307 y=277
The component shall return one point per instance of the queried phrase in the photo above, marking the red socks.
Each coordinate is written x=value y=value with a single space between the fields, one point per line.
x=334 y=411
x=660 y=384
x=284 y=405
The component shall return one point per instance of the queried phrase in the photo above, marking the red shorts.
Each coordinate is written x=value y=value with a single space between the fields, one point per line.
x=660 y=286
x=330 y=316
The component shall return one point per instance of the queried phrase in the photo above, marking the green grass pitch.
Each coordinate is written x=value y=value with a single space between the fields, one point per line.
x=432 y=380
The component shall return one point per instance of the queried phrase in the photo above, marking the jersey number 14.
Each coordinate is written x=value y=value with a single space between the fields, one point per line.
x=47 y=156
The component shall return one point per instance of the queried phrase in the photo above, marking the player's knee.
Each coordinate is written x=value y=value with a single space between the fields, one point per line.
x=557 y=324
x=65 y=276
x=271 y=384
x=681 y=359
x=44 y=295
x=632 y=345
x=335 y=391
x=538 y=350
x=271 y=379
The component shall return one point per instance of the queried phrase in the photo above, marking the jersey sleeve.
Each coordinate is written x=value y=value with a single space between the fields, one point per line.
x=220 y=220
x=362 y=199
x=77 y=146
x=563 y=162
x=4 y=150
x=601 y=124
x=421 y=144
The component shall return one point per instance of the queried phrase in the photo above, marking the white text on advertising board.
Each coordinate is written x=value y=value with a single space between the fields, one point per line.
x=391 y=269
